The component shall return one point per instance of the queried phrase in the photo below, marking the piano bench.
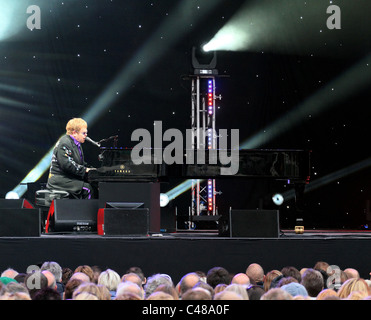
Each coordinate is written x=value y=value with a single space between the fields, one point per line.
x=45 y=197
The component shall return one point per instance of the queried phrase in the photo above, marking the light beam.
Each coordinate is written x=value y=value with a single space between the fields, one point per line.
x=11 y=21
x=171 y=31
x=343 y=87
x=329 y=178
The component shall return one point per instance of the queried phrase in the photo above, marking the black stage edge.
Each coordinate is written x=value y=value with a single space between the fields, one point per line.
x=182 y=252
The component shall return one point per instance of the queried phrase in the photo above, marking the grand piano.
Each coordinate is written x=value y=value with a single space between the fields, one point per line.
x=140 y=181
x=278 y=164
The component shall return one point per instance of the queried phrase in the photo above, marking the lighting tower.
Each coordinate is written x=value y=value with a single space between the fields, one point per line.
x=203 y=121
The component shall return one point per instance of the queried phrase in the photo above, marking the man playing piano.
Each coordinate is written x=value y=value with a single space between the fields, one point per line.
x=68 y=170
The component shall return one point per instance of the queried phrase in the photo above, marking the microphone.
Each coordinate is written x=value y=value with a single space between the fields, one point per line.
x=93 y=142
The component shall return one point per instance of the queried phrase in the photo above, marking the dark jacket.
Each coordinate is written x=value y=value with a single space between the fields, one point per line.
x=68 y=170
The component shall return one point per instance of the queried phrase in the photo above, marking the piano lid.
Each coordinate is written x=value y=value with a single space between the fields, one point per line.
x=287 y=164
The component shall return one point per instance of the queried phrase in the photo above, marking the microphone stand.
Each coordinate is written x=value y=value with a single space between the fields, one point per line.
x=115 y=140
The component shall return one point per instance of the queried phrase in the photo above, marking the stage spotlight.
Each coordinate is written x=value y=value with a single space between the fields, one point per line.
x=12 y=195
x=204 y=63
x=292 y=27
x=164 y=200
x=277 y=199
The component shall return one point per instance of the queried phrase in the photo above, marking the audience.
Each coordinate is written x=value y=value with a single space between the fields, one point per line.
x=238 y=289
x=154 y=281
x=255 y=272
x=276 y=294
x=352 y=285
x=218 y=275
x=110 y=279
x=52 y=282
x=270 y=278
x=188 y=282
x=326 y=294
x=295 y=289
x=351 y=273
x=255 y=292
x=70 y=287
x=197 y=294
x=313 y=282
x=241 y=278
x=56 y=275
x=130 y=288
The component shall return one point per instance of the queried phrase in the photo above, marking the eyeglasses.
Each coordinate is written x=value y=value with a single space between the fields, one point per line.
x=84 y=133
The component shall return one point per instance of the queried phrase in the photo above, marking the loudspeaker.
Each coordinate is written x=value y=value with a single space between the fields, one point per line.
x=20 y=222
x=147 y=193
x=168 y=219
x=254 y=223
x=118 y=222
x=15 y=203
x=72 y=215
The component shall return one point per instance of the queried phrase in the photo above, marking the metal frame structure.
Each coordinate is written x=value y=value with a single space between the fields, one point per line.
x=203 y=125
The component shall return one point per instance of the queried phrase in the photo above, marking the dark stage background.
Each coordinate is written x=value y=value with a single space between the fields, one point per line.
x=120 y=65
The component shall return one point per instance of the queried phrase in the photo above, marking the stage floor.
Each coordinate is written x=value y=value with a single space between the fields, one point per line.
x=185 y=251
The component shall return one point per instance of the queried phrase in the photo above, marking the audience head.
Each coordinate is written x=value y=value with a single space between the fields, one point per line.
x=187 y=282
x=352 y=285
x=131 y=288
x=276 y=294
x=241 y=278
x=54 y=268
x=218 y=275
x=255 y=292
x=80 y=276
x=197 y=294
x=51 y=279
x=291 y=272
x=255 y=272
x=238 y=289
x=154 y=281
x=351 y=273
x=139 y=272
x=87 y=270
x=132 y=277
x=110 y=279
x=9 y=273
x=313 y=282
x=295 y=289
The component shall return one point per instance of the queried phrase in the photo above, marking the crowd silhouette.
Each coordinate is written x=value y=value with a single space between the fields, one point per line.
x=50 y=281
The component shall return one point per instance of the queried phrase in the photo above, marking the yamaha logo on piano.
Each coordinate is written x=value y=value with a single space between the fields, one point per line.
x=122 y=170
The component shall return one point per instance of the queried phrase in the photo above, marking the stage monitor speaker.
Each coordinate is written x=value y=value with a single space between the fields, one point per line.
x=15 y=203
x=20 y=222
x=73 y=215
x=119 y=222
x=254 y=223
x=147 y=193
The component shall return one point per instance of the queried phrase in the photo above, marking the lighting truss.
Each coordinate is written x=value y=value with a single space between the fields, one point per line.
x=203 y=137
